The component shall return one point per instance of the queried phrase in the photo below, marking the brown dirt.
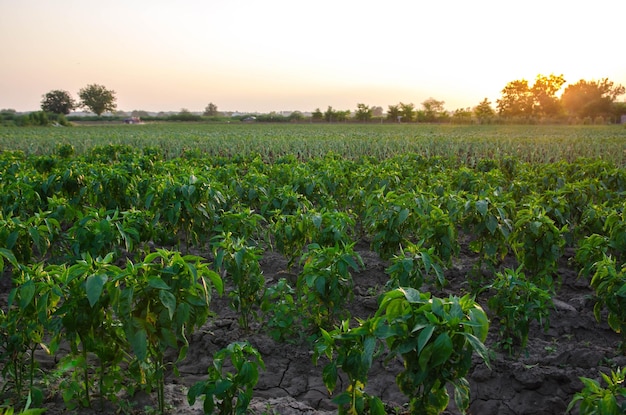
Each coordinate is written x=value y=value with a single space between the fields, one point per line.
x=541 y=380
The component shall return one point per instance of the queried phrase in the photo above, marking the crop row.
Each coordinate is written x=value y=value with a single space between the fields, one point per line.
x=82 y=237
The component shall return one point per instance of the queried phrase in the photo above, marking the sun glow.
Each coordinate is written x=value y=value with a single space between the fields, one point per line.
x=272 y=55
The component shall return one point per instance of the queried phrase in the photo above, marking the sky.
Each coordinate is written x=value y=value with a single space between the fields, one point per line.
x=281 y=55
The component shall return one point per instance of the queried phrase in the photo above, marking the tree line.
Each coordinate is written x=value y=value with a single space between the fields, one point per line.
x=544 y=101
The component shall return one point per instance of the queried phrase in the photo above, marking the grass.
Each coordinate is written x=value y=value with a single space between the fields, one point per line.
x=534 y=143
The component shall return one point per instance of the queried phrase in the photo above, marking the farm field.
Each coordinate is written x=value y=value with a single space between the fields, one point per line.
x=485 y=265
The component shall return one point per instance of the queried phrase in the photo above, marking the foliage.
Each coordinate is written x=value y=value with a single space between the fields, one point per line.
x=211 y=110
x=58 y=102
x=280 y=306
x=593 y=399
x=591 y=98
x=435 y=338
x=97 y=98
x=484 y=112
x=414 y=266
x=537 y=243
x=609 y=283
x=240 y=262
x=230 y=392
x=325 y=283
x=355 y=351
x=517 y=302
x=165 y=297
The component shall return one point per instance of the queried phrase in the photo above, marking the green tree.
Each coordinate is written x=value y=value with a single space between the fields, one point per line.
x=317 y=115
x=517 y=100
x=544 y=90
x=591 y=98
x=484 y=112
x=296 y=116
x=342 y=115
x=58 y=102
x=211 y=110
x=329 y=114
x=462 y=116
x=393 y=113
x=432 y=109
x=363 y=112
x=407 y=111
x=98 y=99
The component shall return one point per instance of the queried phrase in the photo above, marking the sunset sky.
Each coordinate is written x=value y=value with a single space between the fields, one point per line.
x=274 y=55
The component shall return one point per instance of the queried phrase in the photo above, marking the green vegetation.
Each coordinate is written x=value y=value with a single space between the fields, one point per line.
x=98 y=223
x=467 y=144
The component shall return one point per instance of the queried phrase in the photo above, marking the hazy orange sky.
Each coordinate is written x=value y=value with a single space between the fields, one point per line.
x=273 y=55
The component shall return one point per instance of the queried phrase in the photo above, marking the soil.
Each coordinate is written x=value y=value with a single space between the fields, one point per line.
x=541 y=380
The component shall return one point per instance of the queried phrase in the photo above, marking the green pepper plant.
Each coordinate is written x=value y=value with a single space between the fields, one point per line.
x=225 y=392
x=165 y=297
x=435 y=338
x=593 y=399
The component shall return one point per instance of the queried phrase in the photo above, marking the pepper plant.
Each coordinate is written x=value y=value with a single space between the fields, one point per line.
x=90 y=289
x=165 y=297
x=435 y=338
x=229 y=393
x=26 y=325
x=414 y=266
x=240 y=262
x=593 y=399
x=537 y=243
x=609 y=283
x=517 y=302
x=325 y=283
x=353 y=351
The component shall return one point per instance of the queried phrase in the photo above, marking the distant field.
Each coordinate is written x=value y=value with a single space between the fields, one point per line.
x=530 y=143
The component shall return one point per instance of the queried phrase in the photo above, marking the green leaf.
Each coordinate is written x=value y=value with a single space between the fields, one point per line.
x=376 y=406
x=442 y=349
x=329 y=376
x=169 y=301
x=424 y=337
x=158 y=283
x=492 y=224
x=481 y=207
x=94 y=286
x=248 y=374
x=411 y=294
x=27 y=292
x=402 y=216
x=138 y=339
x=478 y=347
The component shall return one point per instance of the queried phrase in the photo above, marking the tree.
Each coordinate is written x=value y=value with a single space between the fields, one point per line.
x=342 y=115
x=377 y=111
x=329 y=114
x=58 y=102
x=317 y=115
x=484 y=112
x=432 y=109
x=363 y=112
x=591 y=98
x=517 y=100
x=462 y=116
x=407 y=111
x=211 y=110
x=296 y=116
x=544 y=90
x=393 y=113
x=98 y=99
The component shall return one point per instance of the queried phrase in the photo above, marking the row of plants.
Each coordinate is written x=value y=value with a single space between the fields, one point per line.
x=68 y=223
